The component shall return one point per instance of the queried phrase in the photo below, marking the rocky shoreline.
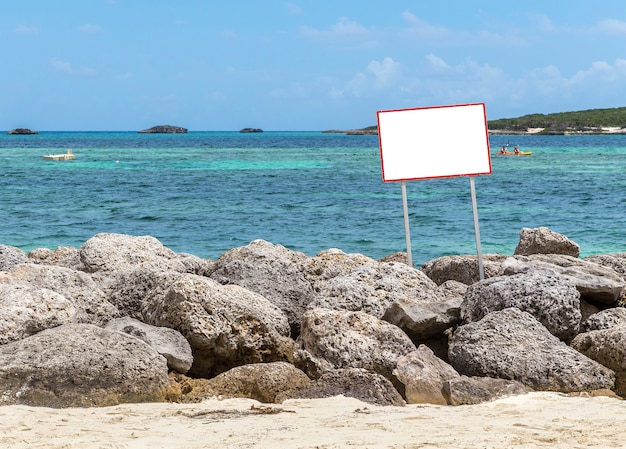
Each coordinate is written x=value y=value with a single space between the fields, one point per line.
x=124 y=319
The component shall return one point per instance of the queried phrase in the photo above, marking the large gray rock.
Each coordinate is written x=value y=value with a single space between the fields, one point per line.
x=616 y=262
x=373 y=287
x=350 y=382
x=331 y=340
x=542 y=240
x=594 y=282
x=462 y=269
x=167 y=342
x=272 y=271
x=422 y=320
x=11 y=256
x=26 y=310
x=552 y=300
x=90 y=302
x=226 y=325
x=113 y=252
x=607 y=347
x=63 y=256
x=80 y=365
x=475 y=390
x=605 y=319
x=423 y=375
x=331 y=263
x=128 y=288
x=260 y=381
x=511 y=344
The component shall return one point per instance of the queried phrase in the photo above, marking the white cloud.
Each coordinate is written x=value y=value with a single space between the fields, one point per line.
x=293 y=8
x=66 y=68
x=378 y=75
x=24 y=29
x=437 y=62
x=344 y=29
x=90 y=28
x=613 y=26
x=422 y=29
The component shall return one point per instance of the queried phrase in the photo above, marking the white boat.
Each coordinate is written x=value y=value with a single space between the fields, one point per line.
x=69 y=156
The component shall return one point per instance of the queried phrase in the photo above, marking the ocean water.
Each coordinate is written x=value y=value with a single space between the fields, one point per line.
x=207 y=192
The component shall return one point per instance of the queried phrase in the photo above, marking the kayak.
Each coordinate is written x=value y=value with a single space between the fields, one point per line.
x=511 y=153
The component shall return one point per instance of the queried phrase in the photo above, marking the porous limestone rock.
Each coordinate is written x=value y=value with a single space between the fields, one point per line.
x=331 y=340
x=226 y=325
x=80 y=365
x=512 y=344
x=167 y=342
x=475 y=390
x=89 y=301
x=463 y=269
x=605 y=319
x=26 y=310
x=552 y=300
x=63 y=256
x=422 y=320
x=543 y=240
x=11 y=256
x=272 y=271
x=349 y=382
x=594 y=282
x=607 y=347
x=423 y=375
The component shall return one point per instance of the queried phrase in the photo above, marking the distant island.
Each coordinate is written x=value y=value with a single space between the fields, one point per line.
x=164 y=129
x=369 y=131
x=22 y=131
x=251 y=130
x=589 y=121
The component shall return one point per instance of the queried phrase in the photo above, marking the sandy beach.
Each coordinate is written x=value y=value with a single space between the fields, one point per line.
x=529 y=421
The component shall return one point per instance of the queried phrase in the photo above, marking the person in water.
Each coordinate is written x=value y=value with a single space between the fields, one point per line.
x=516 y=149
x=503 y=149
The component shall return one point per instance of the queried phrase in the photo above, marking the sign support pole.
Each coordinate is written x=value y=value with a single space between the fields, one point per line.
x=477 y=230
x=407 y=231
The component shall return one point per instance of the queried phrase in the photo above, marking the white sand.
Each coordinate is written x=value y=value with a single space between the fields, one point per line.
x=532 y=421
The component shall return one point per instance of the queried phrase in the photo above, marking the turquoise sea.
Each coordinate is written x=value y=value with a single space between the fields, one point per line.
x=206 y=192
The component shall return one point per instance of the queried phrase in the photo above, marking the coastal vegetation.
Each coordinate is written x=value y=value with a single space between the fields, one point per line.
x=589 y=121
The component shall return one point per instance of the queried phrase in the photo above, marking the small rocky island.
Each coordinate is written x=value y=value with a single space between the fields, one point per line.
x=251 y=130
x=22 y=131
x=164 y=129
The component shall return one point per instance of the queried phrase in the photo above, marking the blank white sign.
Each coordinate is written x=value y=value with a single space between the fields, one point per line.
x=434 y=142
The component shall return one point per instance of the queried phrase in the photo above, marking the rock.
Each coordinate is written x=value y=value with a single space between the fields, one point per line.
x=605 y=319
x=127 y=289
x=545 y=241
x=463 y=269
x=594 y=282
x=373 y=287
x=272 y=271
x=607 y=347
x=167 y=342
x=11 y=256
x=616 y=262
x=331 y=340
x=107 y=252
x=22 y=131
x=164 y=129
x=226 y=325
x=453 y=289
x=251 y=130
x=259 y=381
x=90 y=303
x=553 y=301
x=424 y=320
x=80 y=365
x=475 y=390
x=423 y=375
x=26 y=310
x=63 y=256
x=350 y=382
x=401 y=257
x=511 y=344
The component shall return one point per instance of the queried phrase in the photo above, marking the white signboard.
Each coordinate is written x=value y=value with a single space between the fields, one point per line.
x=434 y=142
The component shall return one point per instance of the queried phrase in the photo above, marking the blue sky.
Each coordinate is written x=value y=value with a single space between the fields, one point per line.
x=301 y=64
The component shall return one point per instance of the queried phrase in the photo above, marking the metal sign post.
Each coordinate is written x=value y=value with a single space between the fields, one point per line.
x=407 y=231
x=479 y=253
